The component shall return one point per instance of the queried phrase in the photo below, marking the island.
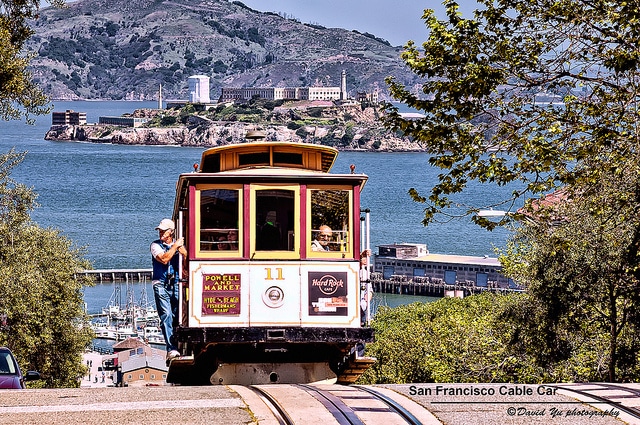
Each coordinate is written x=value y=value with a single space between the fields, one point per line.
x=345 y=126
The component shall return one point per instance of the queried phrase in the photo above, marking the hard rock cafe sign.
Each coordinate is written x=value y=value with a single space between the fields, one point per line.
x=328 y=294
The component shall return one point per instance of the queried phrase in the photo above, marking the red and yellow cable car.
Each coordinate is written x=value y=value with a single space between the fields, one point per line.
x=274 y=289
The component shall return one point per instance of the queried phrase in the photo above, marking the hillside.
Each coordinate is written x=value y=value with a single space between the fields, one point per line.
x=103 y=49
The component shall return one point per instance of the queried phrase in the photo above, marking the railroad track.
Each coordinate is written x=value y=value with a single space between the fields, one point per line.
x=343 y=405
x=609 y=394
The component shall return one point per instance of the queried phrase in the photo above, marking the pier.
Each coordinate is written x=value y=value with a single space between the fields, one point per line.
x=434 y=287
x=395 y=284
x=118 y=275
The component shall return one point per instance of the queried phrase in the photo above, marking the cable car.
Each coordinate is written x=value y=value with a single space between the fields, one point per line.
x=273 y=289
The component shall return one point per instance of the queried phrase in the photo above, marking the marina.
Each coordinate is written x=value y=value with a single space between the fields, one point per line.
x=128 y=316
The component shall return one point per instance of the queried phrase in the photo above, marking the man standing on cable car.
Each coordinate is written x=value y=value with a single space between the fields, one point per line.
x=165 y=280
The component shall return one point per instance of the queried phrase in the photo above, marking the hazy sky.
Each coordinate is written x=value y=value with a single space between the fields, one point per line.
x=396 y=21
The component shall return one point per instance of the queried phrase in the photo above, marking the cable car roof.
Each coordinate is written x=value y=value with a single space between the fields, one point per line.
x=300 y=156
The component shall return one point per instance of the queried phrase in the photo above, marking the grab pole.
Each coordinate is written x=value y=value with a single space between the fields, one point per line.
x=180 y=267
x=365 y=283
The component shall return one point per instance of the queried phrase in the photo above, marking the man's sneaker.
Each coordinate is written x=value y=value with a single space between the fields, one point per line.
x=173 y=354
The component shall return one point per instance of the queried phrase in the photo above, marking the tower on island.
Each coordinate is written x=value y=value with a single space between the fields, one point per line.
x=199 y=89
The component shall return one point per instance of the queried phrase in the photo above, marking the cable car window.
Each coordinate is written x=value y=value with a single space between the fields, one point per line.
x=260 y=158
x=289 y=158
x=211 y=164
x=275 y=219
x=330 y=220
x=219 y=219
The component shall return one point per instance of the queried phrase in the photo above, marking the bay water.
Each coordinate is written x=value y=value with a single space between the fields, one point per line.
x=109 y=198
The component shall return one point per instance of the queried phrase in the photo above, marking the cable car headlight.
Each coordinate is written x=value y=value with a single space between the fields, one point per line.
x=273 y=297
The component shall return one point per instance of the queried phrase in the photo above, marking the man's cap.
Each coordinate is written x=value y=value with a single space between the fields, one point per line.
x=166 y=224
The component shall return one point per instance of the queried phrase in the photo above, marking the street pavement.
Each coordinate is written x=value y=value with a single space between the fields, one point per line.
x=98 y=401
x=451 y=404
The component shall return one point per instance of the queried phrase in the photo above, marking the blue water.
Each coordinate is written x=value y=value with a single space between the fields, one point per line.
x=109 y=198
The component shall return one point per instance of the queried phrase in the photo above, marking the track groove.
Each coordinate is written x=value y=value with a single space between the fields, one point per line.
x=608 y=399
x=276 y=408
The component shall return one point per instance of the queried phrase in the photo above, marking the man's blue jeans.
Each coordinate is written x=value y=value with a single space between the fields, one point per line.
x=166 y=296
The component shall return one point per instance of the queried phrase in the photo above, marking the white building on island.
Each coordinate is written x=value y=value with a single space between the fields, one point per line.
x=199 y=89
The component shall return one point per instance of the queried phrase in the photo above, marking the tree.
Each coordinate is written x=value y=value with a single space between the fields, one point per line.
x=41 y=302
x=542 y=93
x=581 y=270
x=17 y=90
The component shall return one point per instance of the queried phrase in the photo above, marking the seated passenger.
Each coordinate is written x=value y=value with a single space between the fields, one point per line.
x=323 y=237
x=223 y=243
x=233 y=239
x=228 y=242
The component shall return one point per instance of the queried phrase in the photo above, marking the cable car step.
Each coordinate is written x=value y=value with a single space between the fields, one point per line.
x=355 y=367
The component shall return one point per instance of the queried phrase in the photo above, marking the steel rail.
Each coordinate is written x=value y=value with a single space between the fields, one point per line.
x=276 y=408
x=632 y=411
x=340 y=411
x=394 y=405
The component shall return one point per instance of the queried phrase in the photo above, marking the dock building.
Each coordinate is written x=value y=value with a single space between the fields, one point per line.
x=413 y=262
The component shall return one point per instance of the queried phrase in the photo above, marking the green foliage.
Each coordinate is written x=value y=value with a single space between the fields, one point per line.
x=488 y=88
x=315 y=112
x=254 y=36
x=167 y=120
x=580 y=267
x=450 y=340
x=219 y=67
x=100 y=50
x=41 y=301
x=185 y=112
x=270 y=105
x=486 y=338
x=543 y=95
x=19 y=95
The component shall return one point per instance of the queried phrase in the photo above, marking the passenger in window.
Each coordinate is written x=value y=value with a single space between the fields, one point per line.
x=223 y=243
x=323 y=238
x=233 y=239
x=269 y=236
x=228 y=241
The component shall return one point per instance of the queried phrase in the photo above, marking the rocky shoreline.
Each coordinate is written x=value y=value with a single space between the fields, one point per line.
x=361 y=131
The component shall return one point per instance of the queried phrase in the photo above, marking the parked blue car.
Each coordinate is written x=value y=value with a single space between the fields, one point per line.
x=10 y=375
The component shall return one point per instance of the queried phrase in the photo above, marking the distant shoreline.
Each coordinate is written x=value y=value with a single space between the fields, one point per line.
x=351 y=127
x=169 y=137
